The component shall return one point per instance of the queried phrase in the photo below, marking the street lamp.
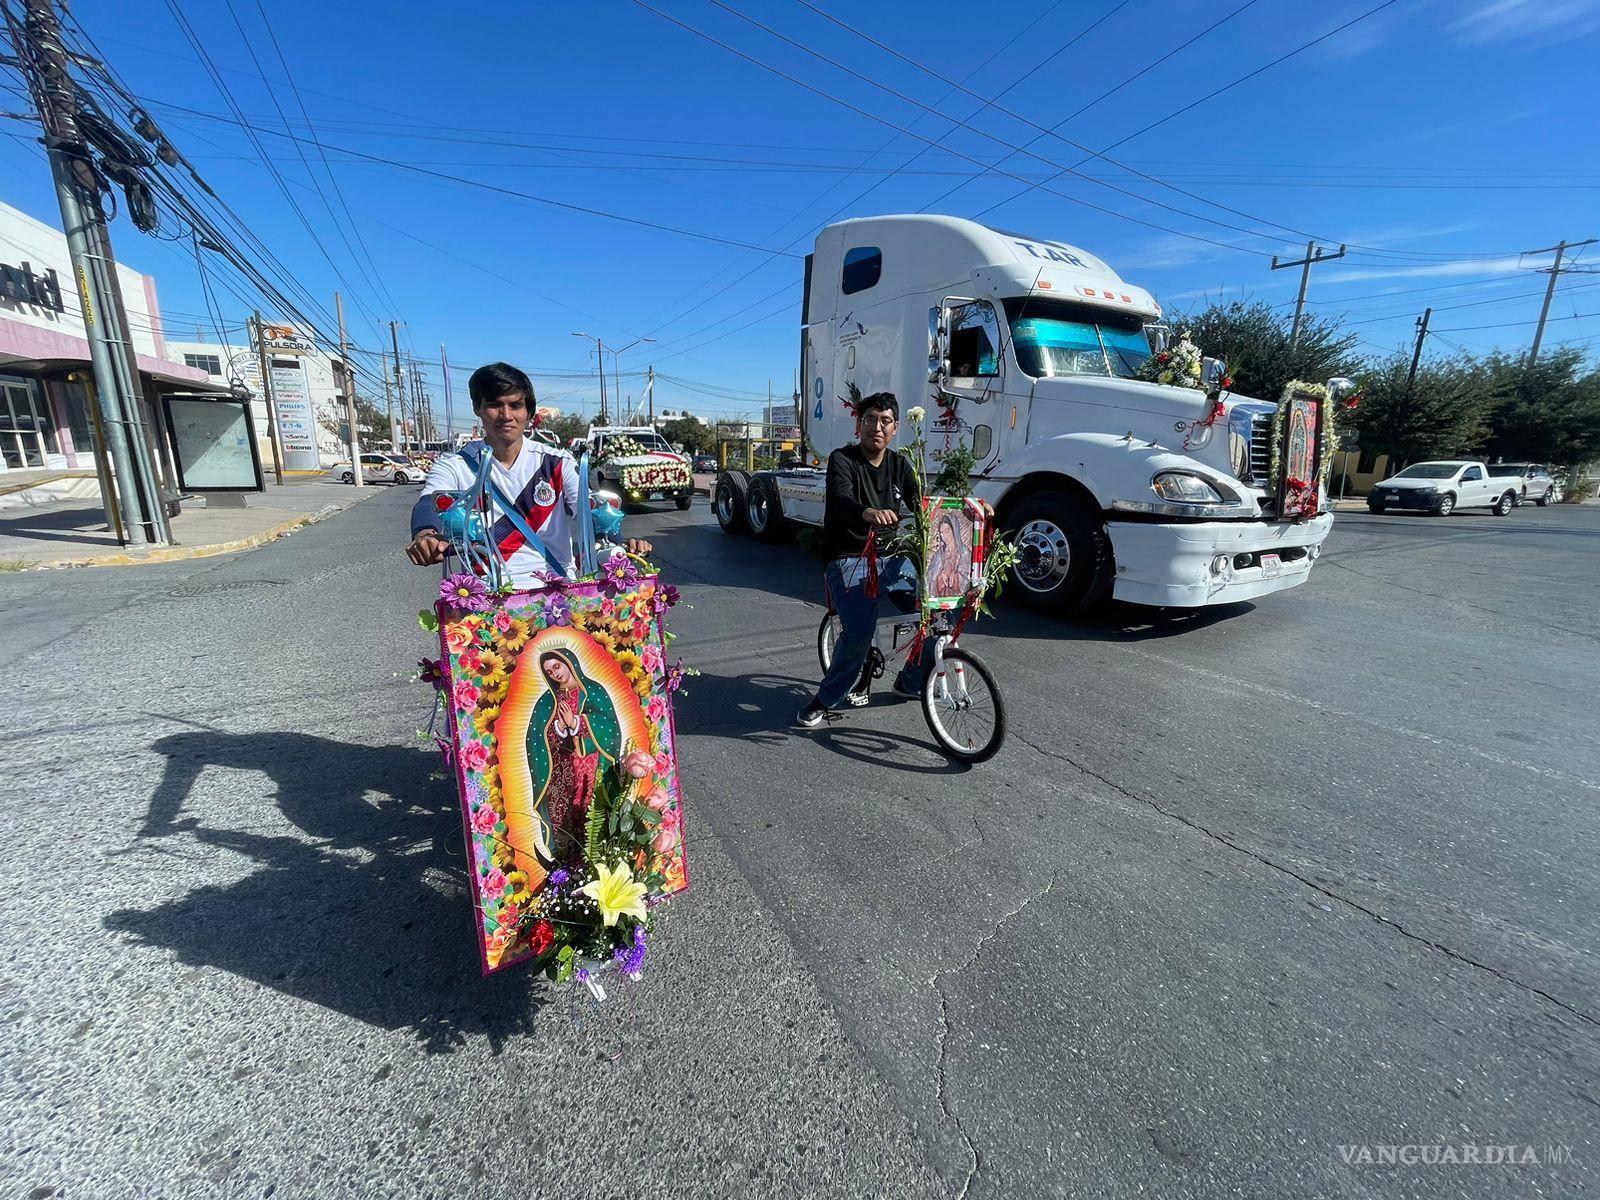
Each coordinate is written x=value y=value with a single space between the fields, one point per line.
x=616 y=366
x=600 y=362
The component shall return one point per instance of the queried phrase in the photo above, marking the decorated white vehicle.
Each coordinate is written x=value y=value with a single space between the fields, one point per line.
x=636 y=463
x=1120 y=470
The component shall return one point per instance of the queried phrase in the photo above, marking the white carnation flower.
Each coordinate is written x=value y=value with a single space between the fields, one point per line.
x=915 y=414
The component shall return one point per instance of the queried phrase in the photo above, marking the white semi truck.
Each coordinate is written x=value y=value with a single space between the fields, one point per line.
x=1022 y=349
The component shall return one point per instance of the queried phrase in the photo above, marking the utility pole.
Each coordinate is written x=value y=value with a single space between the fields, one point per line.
x=650 y=391
x=1313 y=256
x=260 y=336
x=399 y=379
x=1416 y=353
x=449 y=415
x=349 y=395
x=388 y=394
x=600 y=364
x=137 y=498
x=1554 y=271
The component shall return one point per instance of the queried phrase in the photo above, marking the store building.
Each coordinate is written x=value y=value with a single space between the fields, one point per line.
x=46 y=417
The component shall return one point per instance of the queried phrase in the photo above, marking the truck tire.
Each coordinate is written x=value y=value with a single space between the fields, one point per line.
x=1066 y=564
x=1446 y=505
x=729 y=495
x=1504 y=505
x=683 y=500
x=1544 y=499
x=762 y=511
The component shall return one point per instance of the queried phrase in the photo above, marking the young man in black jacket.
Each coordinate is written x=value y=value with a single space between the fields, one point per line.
x=869 y=486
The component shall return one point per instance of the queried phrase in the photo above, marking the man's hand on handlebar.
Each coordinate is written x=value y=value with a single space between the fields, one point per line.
x=881 y=516
x=427 y=548
x=639 y=547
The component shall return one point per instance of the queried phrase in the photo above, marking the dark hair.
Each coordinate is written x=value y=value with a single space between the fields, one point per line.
x=496 y=379
x=879 y=402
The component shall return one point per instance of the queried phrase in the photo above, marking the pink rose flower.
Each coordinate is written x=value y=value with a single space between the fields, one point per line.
x=495 y=881
x=663 y=764
x=656 y=709
x=484 y=819
x=652 y=658
x=474 y=756
x=658 y=800
x=665 y=841
x=502 y=621
x=636 y=764
x=466 y=695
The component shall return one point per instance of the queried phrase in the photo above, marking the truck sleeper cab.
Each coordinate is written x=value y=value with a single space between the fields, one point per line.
x=1022 y=350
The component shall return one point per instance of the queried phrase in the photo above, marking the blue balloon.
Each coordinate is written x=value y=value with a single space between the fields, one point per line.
x=607 y=521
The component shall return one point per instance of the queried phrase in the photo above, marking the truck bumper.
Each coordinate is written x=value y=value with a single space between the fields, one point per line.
x=1177 y=566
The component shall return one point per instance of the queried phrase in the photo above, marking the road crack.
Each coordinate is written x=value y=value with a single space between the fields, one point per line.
x=1389 y=922
x=975 y=1165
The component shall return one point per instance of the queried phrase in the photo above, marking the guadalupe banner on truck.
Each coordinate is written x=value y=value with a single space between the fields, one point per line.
x=1304 y=456
x=561 y=733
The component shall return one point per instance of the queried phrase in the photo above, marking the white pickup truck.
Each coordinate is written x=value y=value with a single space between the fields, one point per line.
x=1442 y=487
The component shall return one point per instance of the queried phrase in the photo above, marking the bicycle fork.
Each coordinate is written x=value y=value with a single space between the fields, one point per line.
x=949 y=682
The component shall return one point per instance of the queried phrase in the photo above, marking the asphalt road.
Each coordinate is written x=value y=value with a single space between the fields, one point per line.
x=1246 y=892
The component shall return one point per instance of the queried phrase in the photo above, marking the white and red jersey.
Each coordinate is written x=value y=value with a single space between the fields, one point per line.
x=542 y=483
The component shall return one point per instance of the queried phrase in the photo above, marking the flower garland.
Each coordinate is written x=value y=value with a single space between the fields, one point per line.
x=591 y=914
x=1301 y=499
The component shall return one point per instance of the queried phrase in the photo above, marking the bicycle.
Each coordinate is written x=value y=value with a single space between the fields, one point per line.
x=960 y=700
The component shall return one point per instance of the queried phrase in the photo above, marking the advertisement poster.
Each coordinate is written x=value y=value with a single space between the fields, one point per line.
x=213 y=444
x=297 y=420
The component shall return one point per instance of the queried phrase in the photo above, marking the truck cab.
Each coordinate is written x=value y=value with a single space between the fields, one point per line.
x=1023 y=350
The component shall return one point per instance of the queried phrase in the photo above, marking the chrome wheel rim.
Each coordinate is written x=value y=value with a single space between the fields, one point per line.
x=962 y=708
x=1046 y=556
x=756 y=509
x=725 y=504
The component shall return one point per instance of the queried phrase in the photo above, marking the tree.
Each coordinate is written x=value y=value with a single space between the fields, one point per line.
x=690 y=432
x=1440 y=416
x=1252 y=337
x=567 y=427
x=1544 y=413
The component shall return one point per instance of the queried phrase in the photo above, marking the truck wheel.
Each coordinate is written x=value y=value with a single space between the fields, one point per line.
x=1375 y=508
x=1066 y=562
x=1446 y=506
x=683 y=500
x=762 y=511
x=1543 y=500
x=729 y=496
x=1504 y=505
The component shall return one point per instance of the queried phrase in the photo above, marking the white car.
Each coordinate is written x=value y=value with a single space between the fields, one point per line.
x=1442 y=487
x=380 y=468
x=649 y=469
x=1537 y=483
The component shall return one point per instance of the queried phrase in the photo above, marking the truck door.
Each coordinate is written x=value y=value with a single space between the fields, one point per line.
x=1474 y=489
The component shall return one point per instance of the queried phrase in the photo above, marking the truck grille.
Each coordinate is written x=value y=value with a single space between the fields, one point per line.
x=1261 y=448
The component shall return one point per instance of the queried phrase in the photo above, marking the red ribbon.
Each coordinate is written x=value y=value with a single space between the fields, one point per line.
x=870 y=553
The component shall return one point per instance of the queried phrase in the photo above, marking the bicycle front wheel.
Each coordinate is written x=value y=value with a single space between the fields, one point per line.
x=828 y=635
x=963 y=707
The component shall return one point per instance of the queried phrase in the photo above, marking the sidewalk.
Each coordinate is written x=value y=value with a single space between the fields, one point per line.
x=72 y=533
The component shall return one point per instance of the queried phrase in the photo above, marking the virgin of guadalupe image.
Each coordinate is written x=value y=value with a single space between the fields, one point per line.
x=572 y=737
x=950 y=562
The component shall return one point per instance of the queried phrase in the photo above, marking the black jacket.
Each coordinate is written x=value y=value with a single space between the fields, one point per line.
x=854 y=486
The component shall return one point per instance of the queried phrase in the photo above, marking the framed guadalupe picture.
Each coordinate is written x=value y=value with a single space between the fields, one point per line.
x=565 y=753
x=1300 y=422
x=953 y=557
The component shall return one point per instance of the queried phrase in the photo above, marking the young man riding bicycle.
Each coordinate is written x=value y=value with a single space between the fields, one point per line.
x=869 y=487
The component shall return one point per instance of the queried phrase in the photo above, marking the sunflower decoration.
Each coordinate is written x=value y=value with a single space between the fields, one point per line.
x=488 y=715
x=604 y=640
x=495 y=667
x=513 y=639
x=641 y=684
x=629 y=662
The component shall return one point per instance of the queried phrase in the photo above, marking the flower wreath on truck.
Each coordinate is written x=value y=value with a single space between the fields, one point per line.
x=559 y=730
x=655 y=475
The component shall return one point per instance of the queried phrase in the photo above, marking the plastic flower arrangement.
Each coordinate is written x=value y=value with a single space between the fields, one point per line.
x=1179 y=365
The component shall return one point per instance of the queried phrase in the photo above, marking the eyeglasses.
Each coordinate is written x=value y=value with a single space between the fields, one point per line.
x=877 y=422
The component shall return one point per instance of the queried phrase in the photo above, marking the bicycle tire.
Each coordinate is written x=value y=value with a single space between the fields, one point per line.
x=965 y=660
x=827 y=639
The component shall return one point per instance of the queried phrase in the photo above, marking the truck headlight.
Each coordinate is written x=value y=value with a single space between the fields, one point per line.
x=1181 y=487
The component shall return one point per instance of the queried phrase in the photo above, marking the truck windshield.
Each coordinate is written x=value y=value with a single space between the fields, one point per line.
x=1054 y=339
x=1430 y=471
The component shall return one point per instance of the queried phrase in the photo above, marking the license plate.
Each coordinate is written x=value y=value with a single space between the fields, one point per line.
x=1271 y=565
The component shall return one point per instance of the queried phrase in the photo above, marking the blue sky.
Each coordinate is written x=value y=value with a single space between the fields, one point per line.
x=1437 y=137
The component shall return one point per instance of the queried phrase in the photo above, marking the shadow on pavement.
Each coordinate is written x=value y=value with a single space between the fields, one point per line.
x=759 y=710
x=348 y=913
x=76 y=521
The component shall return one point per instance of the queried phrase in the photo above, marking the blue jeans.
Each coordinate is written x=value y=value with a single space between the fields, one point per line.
x=846 y=579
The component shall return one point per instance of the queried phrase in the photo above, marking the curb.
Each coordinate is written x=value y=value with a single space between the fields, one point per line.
x=164 y=554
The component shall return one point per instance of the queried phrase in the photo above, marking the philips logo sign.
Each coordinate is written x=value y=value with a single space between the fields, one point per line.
x=1046 y=251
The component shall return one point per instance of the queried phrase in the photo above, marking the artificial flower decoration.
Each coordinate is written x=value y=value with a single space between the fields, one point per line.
x=617 y=894
x=464 y=591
